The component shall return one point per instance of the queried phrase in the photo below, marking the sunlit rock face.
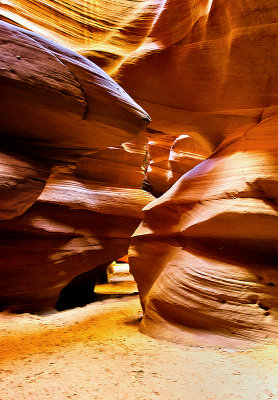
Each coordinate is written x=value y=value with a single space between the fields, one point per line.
x=61 y=219
x=103 y=31
x=169 y=158
x=185 y=153
x=212 y=70
x=158 y=163
x=205 y=256
x=121 y=165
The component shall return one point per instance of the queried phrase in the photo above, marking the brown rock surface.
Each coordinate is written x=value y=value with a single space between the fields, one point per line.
x=101 y=31
x=185 y=153
x=75 y=226
x=158 y=165
x=65 y=107
x=21 y=182
x=118 y=165
x=205 y=257
x=79 y=108
x=211 y=69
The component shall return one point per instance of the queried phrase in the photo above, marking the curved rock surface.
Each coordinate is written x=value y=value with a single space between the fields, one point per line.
x=103 y=32
x=21 y=182
x=169 y=158
x=205 y=256
x=213 y=70
x=65 y=107
x=118 y=165
x=185 y=153
x=79 y=108
x=75 y=226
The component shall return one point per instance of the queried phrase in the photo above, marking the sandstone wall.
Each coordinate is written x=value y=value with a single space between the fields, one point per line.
x=61 y=219
x=205 y=256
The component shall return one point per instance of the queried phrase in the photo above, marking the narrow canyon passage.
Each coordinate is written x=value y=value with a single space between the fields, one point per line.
x=143 y=131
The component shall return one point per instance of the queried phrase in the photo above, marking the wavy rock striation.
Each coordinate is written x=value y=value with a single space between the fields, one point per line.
x=68 y=104
x=58 y=223
x=103 y=32
x=169 y=158
x=205 y=256
x=74 y=227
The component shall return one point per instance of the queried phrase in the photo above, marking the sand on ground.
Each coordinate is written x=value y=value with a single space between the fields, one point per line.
x=97 y=353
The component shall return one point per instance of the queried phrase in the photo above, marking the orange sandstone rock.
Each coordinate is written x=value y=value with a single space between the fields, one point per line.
x=210 y=70
x=118 y=165
x=185 y=153
x=170 y=158
x=76 y=226
x=66 y=106
x=104 y=32
x=205 y=256
x=158 y=166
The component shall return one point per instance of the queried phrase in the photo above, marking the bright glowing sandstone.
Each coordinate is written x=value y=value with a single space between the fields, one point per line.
x=205 y=256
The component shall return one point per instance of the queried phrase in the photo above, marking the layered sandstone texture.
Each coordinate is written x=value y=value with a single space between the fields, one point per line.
x=62 y=215
x=103 y=32
x=169 y=158
x=66 y=106
x=205 y=256
x=76 y=226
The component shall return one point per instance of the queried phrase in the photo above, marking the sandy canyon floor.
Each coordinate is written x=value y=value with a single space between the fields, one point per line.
x=97 y=352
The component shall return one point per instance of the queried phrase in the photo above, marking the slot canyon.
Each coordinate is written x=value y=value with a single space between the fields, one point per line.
x=139 y=200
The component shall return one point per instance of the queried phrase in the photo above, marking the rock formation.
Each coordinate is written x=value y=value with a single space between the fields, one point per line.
x=121 y=165
x=81 y=220
x=79 y=108
x=22 y=180
x=74 y=226
x=105 y=33
x=205 y=256
x=213 y=69
x=169 y=158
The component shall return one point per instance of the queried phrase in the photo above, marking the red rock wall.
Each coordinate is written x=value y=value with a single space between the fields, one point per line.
x=60 y=219
x=73 y=227
x=213 y=69
x=205 y=256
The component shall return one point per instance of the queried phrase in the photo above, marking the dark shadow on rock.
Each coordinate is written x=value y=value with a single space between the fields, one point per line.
x=80 y=291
